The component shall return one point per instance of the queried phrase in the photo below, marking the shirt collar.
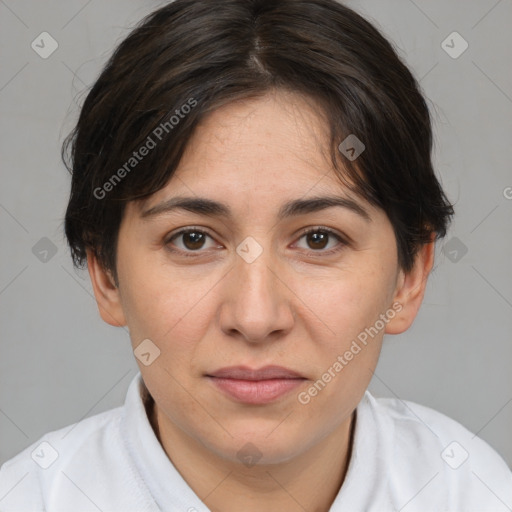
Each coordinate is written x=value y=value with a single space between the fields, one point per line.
x=160 y=476
x=171 y=492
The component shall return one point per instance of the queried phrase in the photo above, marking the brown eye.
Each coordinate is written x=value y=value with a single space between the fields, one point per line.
x=188 y=241
x=318 y=239
x=193 y=240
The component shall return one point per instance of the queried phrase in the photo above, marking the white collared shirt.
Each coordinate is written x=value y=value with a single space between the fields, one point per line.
x=405 y=457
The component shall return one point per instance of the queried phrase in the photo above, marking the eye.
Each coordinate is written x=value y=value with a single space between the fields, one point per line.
x=192 y=240
x=318 y=238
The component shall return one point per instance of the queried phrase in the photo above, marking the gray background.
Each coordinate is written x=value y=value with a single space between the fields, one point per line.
x=60 y=363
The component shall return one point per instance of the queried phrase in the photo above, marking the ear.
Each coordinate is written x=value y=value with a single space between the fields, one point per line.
x=410 y=289
x=106 y=292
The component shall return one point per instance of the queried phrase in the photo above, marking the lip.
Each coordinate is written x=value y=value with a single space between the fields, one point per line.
x=252 y=386
x=246 y=373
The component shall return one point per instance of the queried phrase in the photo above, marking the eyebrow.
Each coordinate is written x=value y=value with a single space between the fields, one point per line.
x=211 y=208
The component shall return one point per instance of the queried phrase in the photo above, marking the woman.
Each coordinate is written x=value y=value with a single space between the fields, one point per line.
x=253 y=195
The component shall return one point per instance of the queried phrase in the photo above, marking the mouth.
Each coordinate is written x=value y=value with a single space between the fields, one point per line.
x=251 y=386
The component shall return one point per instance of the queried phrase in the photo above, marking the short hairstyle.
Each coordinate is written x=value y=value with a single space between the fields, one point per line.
x=190 y=57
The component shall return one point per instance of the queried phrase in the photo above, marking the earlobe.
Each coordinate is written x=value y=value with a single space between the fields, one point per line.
x=106 y=292
x=410 y=290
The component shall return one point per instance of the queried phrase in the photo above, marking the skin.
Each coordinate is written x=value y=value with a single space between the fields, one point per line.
x=293 y=306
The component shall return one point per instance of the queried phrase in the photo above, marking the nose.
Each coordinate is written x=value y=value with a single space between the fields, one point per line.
x=257 y=302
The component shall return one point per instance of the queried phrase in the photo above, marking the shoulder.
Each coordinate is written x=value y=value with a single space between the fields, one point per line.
x=88 y=465
x=424 y=445
x=52 y=461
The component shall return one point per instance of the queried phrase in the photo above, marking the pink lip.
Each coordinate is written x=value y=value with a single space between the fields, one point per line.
x=255 y=386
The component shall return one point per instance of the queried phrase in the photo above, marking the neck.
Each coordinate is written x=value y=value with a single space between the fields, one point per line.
x=309 y=481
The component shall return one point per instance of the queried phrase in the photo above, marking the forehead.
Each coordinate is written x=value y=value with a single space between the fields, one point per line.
x=276 y=146
x=270 y=134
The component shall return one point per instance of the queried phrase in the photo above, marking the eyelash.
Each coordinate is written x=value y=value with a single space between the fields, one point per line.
x=316 y=229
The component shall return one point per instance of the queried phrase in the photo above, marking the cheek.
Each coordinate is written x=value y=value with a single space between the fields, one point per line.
x=348 y=336
x=348 y=354
x=345 y=303
x=161 y=303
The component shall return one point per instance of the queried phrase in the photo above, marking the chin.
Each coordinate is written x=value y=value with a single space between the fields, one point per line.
x=259 y=447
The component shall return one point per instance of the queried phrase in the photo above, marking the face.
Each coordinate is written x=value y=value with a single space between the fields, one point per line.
x=250 y=284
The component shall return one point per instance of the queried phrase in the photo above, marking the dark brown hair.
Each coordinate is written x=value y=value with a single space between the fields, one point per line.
x=205 y=54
